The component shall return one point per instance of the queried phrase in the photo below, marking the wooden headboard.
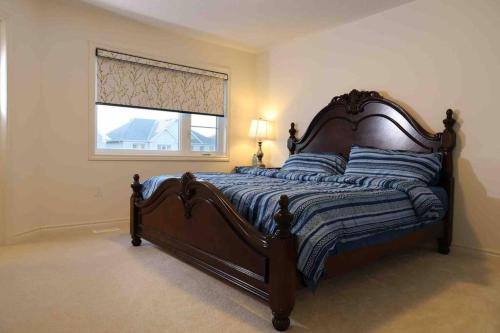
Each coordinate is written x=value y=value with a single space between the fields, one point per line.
x=367 y=119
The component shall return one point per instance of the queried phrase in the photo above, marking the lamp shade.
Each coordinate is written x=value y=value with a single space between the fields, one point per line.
x=259 y=129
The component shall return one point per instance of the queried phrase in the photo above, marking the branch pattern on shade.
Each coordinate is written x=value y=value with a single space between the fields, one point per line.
x=138 y=82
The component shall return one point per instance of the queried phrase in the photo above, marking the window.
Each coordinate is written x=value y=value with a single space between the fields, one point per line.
x=203 y=133
x=146 y=107
x=131 y=131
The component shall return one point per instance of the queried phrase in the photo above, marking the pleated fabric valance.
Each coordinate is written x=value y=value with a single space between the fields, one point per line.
x=132 y=81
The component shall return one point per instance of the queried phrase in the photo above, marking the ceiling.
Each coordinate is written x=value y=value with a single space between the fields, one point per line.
x=253 y=25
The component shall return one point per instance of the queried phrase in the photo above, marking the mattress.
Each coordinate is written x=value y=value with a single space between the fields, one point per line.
x=332 y=214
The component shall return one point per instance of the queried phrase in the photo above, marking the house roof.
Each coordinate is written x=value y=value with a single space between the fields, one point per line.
x=135 y=130
x=200 y=139
x=138 y=129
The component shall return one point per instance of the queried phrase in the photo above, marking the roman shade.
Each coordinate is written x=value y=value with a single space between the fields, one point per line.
x=133 y=81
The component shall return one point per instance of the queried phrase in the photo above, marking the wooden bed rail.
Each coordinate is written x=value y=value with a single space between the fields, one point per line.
x=192 y=220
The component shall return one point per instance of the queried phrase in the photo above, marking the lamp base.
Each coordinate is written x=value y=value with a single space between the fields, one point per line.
x=259 y=155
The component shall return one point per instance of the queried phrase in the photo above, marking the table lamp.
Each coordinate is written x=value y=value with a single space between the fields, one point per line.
x=260 y=130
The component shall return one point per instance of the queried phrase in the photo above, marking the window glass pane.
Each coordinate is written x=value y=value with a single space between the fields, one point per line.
x=141 y=129
x=199 y=120
x=203 y=139
x=203 y=133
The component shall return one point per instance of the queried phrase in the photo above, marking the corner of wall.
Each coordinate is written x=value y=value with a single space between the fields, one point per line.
x=3 y=127
x=20 y=166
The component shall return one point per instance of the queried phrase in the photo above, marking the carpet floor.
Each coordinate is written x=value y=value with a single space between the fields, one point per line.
x=99 y=283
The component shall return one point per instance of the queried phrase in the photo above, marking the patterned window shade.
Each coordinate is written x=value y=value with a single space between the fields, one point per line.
x=131 y=81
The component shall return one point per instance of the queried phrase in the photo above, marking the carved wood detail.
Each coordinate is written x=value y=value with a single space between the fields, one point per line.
x=353 y=101
x=187 y=192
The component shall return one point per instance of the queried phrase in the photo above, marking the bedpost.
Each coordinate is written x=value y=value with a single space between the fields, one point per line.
x=292 y=139
x=134 y=211
x=282 y=275
x=448 y=141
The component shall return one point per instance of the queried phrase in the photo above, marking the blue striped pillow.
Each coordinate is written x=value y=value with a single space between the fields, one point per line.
x=330 y=163
x=393 y=163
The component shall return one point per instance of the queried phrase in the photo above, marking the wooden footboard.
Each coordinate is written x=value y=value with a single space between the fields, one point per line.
x=193 y=221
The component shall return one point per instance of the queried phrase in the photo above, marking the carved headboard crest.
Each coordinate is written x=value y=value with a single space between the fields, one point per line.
x=354 y=100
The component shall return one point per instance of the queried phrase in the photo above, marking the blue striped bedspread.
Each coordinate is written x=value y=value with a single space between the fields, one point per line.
x=329 y=211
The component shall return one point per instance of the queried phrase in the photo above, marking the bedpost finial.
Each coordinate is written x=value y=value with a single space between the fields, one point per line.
x=449 y=121
x=283 y=218
x=283 y=202
x=136 y=187
x=292 y=130
x=292 y=139
x=448 y=137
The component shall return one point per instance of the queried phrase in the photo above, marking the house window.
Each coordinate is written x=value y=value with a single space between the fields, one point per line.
x=120 y=129
x=145 y=107
x=138 y=146
x=164 y=147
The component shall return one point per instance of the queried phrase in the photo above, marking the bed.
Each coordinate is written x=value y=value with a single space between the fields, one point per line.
x=270 y=232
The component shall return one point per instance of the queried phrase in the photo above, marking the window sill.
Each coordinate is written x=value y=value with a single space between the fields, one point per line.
x=156 y=157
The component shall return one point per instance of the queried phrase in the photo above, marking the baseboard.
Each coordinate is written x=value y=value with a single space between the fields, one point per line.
x=475 y=251
x=469 y=250
x=49 y=231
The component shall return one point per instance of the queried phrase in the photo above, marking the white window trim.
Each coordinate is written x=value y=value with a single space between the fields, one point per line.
x=158 y=155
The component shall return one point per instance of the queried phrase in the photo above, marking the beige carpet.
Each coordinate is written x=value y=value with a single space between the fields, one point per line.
x=99 y=283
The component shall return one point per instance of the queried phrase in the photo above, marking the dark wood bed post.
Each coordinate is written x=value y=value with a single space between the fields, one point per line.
x=448 y=141
x=282 y=274
x=292 y=139
x=134 y=211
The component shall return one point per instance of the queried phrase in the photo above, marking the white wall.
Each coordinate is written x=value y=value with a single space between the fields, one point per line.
x=20 y=173
x=50 y=181
x=429 y=55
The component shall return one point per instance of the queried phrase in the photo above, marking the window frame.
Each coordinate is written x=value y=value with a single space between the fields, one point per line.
x=185 y=123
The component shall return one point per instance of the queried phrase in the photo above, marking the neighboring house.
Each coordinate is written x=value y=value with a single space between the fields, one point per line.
x=152 y=134
x=200 y=142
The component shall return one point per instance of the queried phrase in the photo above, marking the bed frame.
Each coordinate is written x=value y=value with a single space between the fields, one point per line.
x=194 y=222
